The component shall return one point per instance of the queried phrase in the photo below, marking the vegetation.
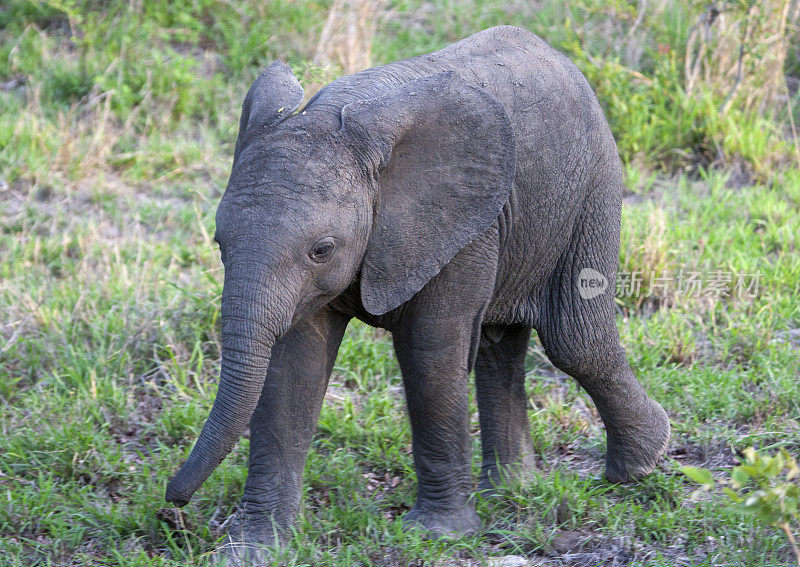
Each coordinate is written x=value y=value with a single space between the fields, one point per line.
x=774 y=502
x=117 y=126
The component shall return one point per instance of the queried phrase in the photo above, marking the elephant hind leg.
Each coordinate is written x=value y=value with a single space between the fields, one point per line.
x=503 y=404
x=578 y=330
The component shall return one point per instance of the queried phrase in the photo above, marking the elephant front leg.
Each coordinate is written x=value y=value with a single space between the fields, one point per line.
x=281 y=429
x=434 y=360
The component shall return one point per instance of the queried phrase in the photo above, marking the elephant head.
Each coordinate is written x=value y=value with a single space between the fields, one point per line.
x=386 y=189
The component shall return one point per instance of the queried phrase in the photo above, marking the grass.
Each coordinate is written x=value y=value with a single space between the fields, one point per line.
x=117 y=124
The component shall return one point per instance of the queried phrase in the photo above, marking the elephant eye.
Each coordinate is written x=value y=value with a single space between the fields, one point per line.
x=322 y=250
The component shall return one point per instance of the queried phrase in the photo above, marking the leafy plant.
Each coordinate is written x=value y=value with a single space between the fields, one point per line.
x=763 y=486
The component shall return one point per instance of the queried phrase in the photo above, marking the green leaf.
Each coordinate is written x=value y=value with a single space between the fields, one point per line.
x=733 y=495
x=774 y=466
x=739 y=477
x=699 y=475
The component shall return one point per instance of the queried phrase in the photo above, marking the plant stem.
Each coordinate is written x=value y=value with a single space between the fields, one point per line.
x=787 y=529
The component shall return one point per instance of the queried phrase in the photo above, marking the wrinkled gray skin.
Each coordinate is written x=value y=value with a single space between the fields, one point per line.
x=453 y=199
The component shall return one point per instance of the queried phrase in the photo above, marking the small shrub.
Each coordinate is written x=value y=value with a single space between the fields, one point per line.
x=762 y=486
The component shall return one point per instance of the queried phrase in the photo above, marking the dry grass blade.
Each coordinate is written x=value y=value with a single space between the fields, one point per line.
x=15 y=335
x=345 y=42
x=738 y=51
x=347 y=36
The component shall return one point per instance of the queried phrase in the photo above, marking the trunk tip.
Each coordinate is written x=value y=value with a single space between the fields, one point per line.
x=175 y=495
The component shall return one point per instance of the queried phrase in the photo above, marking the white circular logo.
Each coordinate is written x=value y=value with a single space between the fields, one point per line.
x=591 y=283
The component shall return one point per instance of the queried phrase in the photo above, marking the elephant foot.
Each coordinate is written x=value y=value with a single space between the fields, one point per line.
x=633 y=452
x=437 y=524
x=250 y=542
x=242 y=554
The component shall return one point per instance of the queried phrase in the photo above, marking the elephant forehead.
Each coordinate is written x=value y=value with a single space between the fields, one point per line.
x=290 y=161
x=263 y=210
x=278 y=216
x=292 y=179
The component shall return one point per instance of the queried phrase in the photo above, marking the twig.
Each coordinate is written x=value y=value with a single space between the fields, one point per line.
x=729 y=99
x=185 y=535
x=639 y=18
x=334 y=397
x=692 y=64
x=599 y=64
x=17 y=479
x=327 y=31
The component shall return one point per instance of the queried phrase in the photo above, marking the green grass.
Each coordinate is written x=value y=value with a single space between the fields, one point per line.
x=117 y=125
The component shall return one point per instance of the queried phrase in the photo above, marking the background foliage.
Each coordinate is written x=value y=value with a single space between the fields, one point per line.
x=117 y=125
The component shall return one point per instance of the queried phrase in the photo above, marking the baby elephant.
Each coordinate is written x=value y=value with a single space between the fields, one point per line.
x=458 y=199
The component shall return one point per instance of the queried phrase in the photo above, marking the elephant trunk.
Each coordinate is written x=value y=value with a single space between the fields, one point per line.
x=248 y=335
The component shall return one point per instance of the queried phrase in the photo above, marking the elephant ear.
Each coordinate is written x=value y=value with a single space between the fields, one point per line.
x=272 y=98
x=443 y=153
